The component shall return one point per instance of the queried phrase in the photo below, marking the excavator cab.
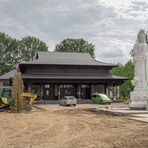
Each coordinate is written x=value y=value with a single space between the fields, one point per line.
x=5 y=96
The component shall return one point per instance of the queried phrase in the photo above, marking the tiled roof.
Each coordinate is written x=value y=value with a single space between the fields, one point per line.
x=66 y=58
x=8 y=75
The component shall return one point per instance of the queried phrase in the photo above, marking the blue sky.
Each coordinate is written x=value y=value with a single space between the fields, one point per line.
x=111 y=25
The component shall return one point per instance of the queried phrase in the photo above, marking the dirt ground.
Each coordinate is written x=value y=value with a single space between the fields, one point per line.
x=70 y=127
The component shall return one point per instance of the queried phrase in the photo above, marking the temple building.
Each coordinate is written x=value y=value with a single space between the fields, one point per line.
x=52 y=75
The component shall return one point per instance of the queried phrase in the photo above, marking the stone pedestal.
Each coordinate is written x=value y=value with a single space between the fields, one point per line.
x=139 y=100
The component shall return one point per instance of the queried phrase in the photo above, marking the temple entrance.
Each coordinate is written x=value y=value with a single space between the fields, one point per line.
x=67 y=90
x=49 y=91
x=85 y=91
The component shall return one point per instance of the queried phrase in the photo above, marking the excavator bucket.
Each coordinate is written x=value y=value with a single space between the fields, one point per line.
x=29 y=99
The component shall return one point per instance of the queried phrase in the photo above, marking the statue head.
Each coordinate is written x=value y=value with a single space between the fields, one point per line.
x=141 y=36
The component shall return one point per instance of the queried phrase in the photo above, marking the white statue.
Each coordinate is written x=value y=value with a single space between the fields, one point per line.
x=139 y=97
x=140 y=59
x=141 y=36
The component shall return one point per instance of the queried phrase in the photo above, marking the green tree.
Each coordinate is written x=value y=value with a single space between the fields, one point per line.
x=75 y=45
x=126 y=70
x=29 y=46
x=9 y=53
x=14 y=51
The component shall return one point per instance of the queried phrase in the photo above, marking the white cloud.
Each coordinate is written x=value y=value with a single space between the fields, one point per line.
x=111 y=25
x=120 y=4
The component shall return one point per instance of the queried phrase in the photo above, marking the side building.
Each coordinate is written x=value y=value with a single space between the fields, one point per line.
x=5 y=79
x=53 y=75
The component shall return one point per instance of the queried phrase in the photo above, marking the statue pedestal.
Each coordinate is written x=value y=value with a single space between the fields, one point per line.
x=139 y=100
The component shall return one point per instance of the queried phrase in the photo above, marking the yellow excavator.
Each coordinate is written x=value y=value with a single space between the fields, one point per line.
x=6 y=99
x=29 y=99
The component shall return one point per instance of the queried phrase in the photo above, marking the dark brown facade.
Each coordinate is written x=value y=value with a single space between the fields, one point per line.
x=52 y=76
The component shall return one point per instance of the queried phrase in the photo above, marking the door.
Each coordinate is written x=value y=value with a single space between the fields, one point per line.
x=85 y=92
x=67 y=90
x=49 y=92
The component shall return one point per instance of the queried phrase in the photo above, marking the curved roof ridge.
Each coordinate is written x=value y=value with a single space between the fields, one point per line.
x=104 y=62
x=66 y=58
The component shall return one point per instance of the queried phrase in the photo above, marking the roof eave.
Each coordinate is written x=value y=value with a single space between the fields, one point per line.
x=110 y=65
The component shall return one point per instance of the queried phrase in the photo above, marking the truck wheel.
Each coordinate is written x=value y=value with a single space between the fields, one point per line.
x=101 y=102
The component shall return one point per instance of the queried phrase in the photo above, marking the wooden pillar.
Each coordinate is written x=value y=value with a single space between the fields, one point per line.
x=107 y=90
x=79 y=91
x=93 y=88
x=42 y=91
x=58 y=91
x=118 y=91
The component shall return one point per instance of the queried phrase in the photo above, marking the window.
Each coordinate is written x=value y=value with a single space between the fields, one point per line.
x=67 y=86
x=103 y=96
x=84 y=86
x=6 y=83
x=47 y=86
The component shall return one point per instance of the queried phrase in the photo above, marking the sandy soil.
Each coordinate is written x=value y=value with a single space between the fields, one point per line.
x=70 y=127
